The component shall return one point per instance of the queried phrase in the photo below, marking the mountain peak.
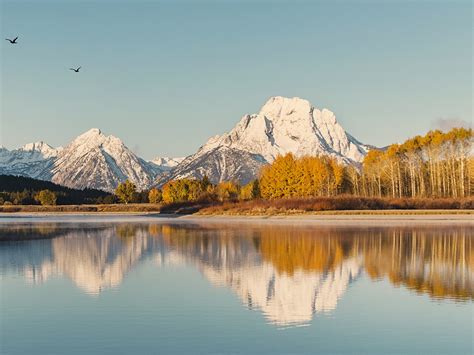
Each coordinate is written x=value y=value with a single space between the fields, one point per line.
x=278 y=106
x=40 y=147
x=91 y=133
x=95 y=160
x=95 y=138
x=283 y=125
x=36 y=146
x=167 y=162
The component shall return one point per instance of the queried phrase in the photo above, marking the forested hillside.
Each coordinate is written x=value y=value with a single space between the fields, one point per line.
x=22 y=190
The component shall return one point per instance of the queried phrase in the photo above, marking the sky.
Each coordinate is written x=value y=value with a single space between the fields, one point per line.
x=164 y=76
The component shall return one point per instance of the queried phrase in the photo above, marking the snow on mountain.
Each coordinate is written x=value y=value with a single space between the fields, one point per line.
x=41 y=148
x=283 y=125
x=166 y=163
x=220 y=164
x=33 y=160
x=94 y=160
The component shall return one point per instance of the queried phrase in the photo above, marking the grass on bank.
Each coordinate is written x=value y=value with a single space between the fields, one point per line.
x=340 y=205
x=320 y=205
x=111 y=208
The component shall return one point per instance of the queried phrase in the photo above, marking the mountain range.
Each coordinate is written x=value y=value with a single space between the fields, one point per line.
x=283 y=125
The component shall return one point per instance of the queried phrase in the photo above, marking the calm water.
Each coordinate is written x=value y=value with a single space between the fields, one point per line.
x=92 y=286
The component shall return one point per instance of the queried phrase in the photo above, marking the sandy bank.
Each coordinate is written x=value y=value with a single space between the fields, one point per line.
x=392 y=218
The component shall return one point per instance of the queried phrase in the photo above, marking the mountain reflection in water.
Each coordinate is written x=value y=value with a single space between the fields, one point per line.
x=289 y=273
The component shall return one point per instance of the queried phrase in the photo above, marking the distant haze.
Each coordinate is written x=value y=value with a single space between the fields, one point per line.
x=445 y=124
x=166 y=75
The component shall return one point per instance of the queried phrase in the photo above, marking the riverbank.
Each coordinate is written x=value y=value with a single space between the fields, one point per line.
x=103 y=208
x=340 y=205
x=342 y=219
x=297 y=214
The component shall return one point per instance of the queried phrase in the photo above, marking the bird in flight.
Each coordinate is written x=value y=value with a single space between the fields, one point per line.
x=12 y=41
x=76 y=70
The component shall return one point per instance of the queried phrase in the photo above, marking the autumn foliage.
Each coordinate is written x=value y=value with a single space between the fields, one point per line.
x=435 y=171
x=435 y=165
x=46 y=197
x=308 y=176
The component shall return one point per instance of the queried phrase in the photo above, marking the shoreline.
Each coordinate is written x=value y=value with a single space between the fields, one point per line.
x=292 y=214
x=395 y=218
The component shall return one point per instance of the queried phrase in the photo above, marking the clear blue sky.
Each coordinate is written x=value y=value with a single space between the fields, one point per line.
x=165 y=76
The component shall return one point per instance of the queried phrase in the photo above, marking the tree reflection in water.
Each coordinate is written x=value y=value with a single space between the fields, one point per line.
x=288 y=272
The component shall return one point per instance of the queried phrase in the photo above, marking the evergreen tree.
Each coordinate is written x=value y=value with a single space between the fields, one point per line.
x=255 y=189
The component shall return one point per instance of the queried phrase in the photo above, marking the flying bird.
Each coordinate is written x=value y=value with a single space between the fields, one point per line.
x=12 y=41
x=76 y=70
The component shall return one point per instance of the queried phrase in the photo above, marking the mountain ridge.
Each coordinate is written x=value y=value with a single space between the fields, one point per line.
x=283 y=125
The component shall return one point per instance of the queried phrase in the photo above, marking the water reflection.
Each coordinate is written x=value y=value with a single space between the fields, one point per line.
x=288 y=273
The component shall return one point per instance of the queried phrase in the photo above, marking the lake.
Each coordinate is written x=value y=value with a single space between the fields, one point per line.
x=92 y=285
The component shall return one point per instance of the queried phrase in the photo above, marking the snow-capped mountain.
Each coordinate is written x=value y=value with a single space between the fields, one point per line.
x=40 y=149
x=166 y=163
x=34 y=160
x=95 y=160
x=283 y=125
x=92 y=160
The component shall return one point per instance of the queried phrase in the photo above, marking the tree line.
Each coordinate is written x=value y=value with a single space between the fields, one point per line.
x=435 y=165
x=189 y=190
x=20 y=190
x=438 y=164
